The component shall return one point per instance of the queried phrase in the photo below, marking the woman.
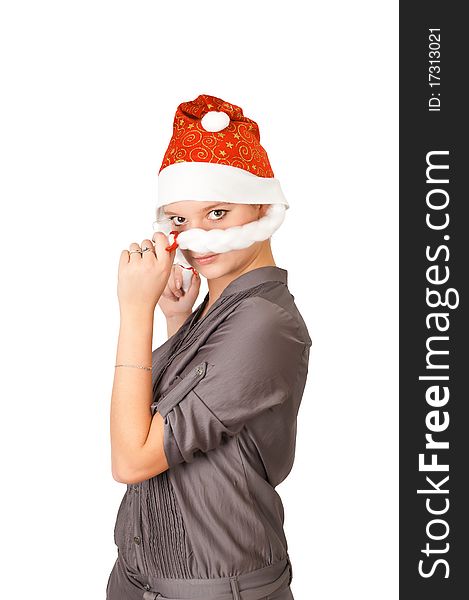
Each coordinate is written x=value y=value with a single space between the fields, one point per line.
x=200 y=517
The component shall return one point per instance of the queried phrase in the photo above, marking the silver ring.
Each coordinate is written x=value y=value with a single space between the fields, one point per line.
x=146 y=249
x=132 y=251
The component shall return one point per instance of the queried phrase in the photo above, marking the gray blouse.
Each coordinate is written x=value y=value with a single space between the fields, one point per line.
x=229 y=387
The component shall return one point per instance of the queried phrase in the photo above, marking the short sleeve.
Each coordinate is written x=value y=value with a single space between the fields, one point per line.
x=246 y=367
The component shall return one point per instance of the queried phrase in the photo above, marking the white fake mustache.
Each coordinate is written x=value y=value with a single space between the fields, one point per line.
x=217 y=241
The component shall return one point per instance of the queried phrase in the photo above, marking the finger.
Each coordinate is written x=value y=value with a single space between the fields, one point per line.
x=150 y=253
x=194 y=287
x=172 y=283
x=171 y=291
x=178 y=276
x=161 y=242
x=168 y=294
x=135 y=256
x=124 y=257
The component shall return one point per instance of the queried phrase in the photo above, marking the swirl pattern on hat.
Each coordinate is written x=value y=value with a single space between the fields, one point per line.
x=237 y=145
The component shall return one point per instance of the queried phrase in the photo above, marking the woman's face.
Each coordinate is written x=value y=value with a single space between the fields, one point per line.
x=212 y=215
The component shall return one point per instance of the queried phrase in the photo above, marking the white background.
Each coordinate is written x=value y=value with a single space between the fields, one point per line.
x=89 y=95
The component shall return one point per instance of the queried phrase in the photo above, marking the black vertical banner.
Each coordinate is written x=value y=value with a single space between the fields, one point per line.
x=433 y=260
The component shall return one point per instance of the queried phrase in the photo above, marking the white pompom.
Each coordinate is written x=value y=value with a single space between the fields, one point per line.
x=215 y=120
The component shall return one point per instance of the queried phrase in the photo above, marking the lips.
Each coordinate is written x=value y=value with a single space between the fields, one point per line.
x=205 y=259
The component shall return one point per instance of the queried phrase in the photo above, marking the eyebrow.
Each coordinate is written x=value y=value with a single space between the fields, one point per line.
x=209 y=207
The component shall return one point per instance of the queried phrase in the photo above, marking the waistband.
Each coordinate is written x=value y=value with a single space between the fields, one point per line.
x=255 y=585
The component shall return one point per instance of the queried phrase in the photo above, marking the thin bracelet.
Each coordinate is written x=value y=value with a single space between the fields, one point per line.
x=135 y=367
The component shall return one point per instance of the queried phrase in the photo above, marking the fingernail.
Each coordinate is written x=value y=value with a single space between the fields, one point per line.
x=178 y=283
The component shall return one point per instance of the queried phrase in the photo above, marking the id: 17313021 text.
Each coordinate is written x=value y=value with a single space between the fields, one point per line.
x=434 y=80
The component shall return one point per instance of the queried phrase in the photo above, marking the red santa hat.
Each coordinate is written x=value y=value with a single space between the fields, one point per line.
x=215 y=155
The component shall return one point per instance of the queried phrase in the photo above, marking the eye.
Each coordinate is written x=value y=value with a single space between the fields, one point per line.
x=176 y=223
x=218 y=210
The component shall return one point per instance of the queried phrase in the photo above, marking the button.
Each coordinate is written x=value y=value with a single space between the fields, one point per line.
x=135 y=487
x=199 y=370
x=137 y=539
x=147 y=586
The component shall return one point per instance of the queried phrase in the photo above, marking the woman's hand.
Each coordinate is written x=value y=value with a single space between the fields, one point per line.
x=143 y=276
x=174 y=302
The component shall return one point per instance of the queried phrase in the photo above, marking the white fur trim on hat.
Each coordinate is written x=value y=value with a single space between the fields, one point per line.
x=215 y=182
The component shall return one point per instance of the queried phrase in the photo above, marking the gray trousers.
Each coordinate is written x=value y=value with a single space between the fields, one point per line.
x=121 y=586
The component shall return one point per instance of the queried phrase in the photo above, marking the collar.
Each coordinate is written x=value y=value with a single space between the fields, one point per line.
x=242 y=282
x=255 y=277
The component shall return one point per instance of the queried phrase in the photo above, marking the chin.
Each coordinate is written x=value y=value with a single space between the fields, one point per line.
x=219 y=268
x=210 y=271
